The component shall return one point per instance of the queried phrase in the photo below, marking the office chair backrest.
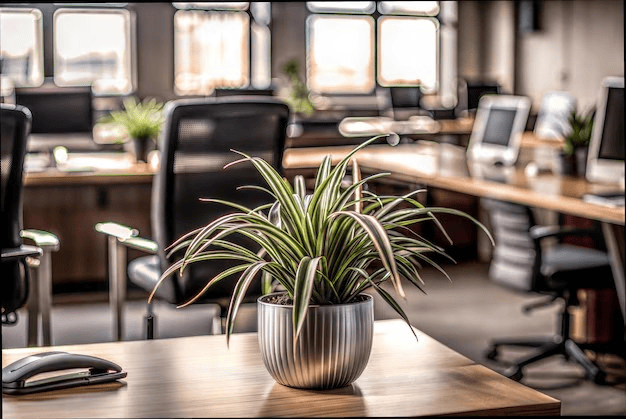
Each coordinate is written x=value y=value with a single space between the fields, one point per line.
x=516 y=259
x=15 y=128
x=195 y=143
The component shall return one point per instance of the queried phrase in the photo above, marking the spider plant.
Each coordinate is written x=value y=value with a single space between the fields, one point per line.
x=322 y=248
x=141 y=119
x=580 y=128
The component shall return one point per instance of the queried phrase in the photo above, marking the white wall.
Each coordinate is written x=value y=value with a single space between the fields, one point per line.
x=578 y=44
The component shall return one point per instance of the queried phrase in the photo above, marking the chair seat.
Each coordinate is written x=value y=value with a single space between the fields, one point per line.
x=145 y=272
x=569 y=266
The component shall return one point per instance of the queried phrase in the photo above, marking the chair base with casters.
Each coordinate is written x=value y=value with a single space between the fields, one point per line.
x=561 y=344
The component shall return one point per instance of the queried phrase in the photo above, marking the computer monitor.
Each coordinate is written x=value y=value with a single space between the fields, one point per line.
x=476 y=90
x=58 y=109
x=498 y=127
x=405 y=96
x=405 y=101
x=224 y=92
x=605 y=161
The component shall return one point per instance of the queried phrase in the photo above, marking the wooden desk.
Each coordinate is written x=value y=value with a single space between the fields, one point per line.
x=69 y=203
x=114 y=168
x=199 y=376
x=416 y=125
x=445 y=166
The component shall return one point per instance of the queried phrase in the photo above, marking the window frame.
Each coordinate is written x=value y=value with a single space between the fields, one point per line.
x=251 y=22
x=375 y=14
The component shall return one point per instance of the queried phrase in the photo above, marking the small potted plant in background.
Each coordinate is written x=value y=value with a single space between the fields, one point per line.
x=573 y=158
x=299 y=96
x=142 y=121
x=324 y=250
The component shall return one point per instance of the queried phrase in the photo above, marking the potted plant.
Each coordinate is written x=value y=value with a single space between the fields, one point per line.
x=573 y=158
x=299 y=97
x=324 y=249
x=142 y=121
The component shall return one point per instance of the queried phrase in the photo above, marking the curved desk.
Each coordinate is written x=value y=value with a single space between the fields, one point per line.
x=444 y=166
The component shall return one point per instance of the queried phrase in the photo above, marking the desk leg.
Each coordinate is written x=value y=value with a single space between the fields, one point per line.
x=33 y=307
x=44 y=277
x=616 y=254
x=117 y=285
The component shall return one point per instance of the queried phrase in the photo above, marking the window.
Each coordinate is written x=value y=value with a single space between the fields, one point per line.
x=221 y=44
x=341 y=54
x=21 y=46
x=93 y=47
x=407 y=51
x=341 y=45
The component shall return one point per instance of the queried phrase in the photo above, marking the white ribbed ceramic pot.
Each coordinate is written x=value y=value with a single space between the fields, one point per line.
x=333 y=347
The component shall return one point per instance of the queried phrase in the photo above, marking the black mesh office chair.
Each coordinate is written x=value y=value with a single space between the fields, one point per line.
x=195 y=145
x=559 y=271
x=15 y=124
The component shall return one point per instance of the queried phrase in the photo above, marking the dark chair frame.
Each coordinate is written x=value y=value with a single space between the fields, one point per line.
x=38 y=258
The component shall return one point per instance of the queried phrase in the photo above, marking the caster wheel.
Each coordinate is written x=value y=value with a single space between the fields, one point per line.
x=492 y=354
x=599 y=378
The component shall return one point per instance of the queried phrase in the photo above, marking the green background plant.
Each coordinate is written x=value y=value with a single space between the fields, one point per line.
x=581 y=126
x=141 y=119
x=322 y=248
x=299 y=98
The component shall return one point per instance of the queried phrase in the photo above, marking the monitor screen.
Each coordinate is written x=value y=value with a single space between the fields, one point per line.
x=612 y=142
x=223 y=92
x=405 y=97
x=58 y=110
x=499 y=126
x=477 y=90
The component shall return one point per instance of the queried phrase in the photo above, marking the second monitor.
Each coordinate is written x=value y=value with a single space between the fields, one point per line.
x=58 y=109
x=498 y=127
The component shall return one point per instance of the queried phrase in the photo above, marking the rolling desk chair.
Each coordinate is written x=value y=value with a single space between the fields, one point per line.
x=17 y=258
x=520 y=263
x=195 y=145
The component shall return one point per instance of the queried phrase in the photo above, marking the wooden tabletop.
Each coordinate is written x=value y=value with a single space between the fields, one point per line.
x=201 y=377
x=92 y=168
x=445 y=166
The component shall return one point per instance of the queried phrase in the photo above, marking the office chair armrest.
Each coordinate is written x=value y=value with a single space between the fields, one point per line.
x=16 y=253
x=538 y=233
x=47 y=241
x=127 y=236
x=120 y=231
x=145 y=245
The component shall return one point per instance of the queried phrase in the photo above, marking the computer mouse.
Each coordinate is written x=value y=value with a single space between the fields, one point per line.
x=498 y=163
